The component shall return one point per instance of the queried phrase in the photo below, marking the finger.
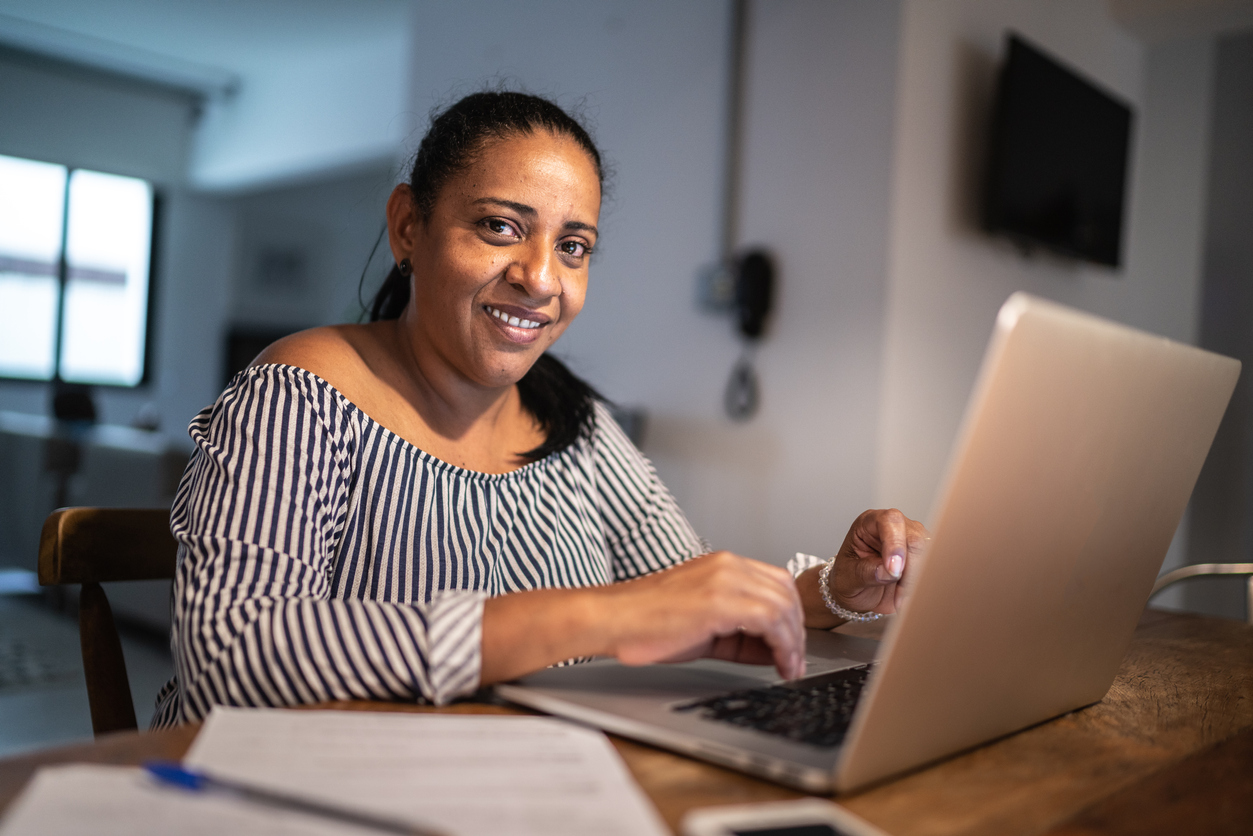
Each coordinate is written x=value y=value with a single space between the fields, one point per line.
x=780 y=587
x=919 y=545
x=865 y=572
x=753 y=579
x=776 y=577
x=919 y=537
x=754 y=650
x=741 y=647
x=784 y=632
x=774 y=617
x=753 y=597
x=893 y=542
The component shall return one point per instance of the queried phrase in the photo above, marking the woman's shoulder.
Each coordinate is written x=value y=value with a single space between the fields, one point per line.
x=296 y=381
x=359 y=364
x=335 y=353
x=347 y=357
x=321 y=369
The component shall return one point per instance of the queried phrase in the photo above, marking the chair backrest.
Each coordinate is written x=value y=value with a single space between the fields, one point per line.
x=90 y=546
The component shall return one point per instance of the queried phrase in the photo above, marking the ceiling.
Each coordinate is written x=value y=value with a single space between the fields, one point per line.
x=1154 y=21
x=214 y=47
x=266 y=66
x=230 y=36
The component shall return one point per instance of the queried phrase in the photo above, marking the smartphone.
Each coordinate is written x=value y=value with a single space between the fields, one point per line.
x=803 y=817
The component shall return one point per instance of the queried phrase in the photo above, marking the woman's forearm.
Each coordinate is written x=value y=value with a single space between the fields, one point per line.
x=686 y=612
x=527 y=631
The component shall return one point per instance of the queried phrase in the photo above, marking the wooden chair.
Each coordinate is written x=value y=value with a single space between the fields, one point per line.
x=90 y=546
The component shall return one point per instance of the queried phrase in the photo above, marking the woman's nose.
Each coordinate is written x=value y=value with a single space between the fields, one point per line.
x=534 y=272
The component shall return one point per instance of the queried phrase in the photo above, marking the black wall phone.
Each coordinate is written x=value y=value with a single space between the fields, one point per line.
x=754 y=293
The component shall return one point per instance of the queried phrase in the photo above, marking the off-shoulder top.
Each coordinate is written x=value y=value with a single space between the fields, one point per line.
x=322 y=557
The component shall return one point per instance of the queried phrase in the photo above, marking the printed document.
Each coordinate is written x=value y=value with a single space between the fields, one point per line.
x=473 y=775
x=469 y=775
x=79 y=798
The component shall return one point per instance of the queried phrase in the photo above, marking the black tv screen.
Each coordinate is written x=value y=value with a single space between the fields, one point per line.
x=1058 y=164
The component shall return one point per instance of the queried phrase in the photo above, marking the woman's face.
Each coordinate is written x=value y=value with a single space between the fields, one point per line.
x=500 y=266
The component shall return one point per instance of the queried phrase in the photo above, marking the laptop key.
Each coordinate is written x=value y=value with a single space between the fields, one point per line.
x=816 y=710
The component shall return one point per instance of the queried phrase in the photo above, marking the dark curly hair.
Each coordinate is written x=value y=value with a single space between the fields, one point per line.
x=561 y=402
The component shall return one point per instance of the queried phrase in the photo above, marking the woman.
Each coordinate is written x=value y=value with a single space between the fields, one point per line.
x=427 y=503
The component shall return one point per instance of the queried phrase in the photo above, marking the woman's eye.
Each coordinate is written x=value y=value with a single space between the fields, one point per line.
x=576 y=249
x=500 y=227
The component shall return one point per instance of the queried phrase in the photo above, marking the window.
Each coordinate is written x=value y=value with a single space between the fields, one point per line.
x=75 y=251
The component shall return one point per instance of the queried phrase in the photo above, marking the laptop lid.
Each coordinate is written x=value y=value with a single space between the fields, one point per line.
x=1081 y=444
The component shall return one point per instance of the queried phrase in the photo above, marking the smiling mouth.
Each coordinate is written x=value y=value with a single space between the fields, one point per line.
x=514 y=321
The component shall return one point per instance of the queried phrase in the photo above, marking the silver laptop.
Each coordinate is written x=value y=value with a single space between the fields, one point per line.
x=1080 y=446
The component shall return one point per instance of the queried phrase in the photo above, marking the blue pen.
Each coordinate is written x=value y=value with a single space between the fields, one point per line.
x=177 y=775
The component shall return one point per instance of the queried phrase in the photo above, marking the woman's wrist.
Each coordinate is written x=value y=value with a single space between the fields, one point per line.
x=596 y=614
x=816 y=613
x=824 y=589
x=526 y=631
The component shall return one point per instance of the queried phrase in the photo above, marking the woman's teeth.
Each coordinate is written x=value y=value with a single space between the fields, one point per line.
x=511 y=320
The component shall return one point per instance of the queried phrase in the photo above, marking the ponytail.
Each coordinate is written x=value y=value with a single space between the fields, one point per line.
x=392 y=296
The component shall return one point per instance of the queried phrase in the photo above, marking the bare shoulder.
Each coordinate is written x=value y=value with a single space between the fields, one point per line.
x=335 y=353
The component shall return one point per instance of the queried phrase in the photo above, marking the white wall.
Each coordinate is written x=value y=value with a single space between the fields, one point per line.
x=332 y=224
x=652 y=77
x=1222 y=520
x=308 y=112
x=1178 y=108
x=816 y=172
x=946 y=279
x=193 y=296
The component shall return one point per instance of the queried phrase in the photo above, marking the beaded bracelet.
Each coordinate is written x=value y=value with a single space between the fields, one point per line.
x=836 y=609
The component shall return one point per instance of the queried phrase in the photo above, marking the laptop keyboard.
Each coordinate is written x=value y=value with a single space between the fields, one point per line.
x=816 y=710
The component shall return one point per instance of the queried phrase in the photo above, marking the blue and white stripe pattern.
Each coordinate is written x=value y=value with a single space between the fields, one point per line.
x=321 y=557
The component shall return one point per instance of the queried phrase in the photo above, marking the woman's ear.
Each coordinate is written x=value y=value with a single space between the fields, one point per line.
x=402 y=222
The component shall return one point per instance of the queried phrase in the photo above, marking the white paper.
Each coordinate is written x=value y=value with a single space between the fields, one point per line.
x=125 y=801
x=469 y=775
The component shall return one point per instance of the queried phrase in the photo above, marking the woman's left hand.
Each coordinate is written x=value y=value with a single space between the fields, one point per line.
x=873 y=567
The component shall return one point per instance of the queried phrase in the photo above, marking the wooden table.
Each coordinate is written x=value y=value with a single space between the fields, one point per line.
x=1169 y=750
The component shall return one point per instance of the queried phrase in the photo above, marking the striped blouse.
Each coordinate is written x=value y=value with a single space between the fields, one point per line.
x=322 y=557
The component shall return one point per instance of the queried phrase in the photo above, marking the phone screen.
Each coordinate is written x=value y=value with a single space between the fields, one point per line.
x=793 y=830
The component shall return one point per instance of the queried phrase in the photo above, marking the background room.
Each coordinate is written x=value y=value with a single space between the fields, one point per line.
x=272 y=132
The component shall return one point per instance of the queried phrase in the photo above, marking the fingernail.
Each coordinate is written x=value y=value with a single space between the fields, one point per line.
x=896 y=565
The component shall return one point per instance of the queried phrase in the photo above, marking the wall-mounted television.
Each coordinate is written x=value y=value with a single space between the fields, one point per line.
x=1057 y=168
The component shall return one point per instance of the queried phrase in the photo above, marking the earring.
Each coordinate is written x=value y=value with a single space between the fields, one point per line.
x=406 y=269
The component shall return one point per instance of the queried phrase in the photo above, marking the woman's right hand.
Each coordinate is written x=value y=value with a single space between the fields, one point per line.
x=719 y=605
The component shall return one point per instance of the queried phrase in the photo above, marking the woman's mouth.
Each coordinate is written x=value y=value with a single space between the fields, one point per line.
x=518 y=325
x=514 y=321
